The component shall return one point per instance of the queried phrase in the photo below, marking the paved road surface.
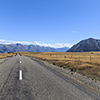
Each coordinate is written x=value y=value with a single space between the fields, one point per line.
x=39 y=82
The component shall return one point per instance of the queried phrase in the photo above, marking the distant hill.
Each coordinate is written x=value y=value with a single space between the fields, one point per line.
x=29 y=48
x=86 y=46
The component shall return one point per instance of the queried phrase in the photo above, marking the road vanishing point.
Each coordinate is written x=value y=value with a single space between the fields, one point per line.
x=22 y=78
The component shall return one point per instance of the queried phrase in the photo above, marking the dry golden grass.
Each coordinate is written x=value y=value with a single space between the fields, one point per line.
x=4 y=55
x=86 y=63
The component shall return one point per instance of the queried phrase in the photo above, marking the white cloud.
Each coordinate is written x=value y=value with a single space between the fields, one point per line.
x=26 y=42
x=37 y=43
x=21 y=42
x=68 y=45
x=15 y=42
x=56 y=45
x=2 y=40
x=74 y=31
x=6 y=43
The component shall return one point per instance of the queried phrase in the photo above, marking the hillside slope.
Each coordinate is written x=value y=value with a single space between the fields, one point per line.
x=86 y=46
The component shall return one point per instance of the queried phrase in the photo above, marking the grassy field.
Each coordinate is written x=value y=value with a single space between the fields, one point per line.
x=4 y=55
x=85 y=63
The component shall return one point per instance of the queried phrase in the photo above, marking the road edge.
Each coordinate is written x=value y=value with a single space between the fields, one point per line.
x=95 y=86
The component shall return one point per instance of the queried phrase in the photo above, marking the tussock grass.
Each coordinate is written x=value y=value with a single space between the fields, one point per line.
x=4 y=55
x=86 y=63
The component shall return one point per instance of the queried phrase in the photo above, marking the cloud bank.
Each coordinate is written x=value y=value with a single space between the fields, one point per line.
x=55 y=45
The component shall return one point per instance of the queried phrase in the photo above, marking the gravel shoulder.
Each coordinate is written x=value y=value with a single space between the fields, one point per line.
x=92 y=84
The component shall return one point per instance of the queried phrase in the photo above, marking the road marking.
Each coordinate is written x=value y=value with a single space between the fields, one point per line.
x=20 y=61
x=20 y=74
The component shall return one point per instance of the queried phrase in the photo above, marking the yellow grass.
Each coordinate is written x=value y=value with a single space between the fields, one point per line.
x=86 y=63
x=4 y=55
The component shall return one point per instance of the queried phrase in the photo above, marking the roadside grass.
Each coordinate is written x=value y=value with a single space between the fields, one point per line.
x=85 y=63
x=4 y=55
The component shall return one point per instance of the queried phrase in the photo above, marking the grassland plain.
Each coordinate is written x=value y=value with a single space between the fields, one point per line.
x=85 y=63
x=4 y=55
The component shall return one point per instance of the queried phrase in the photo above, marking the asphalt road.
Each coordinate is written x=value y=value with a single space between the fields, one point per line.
x=38 y=82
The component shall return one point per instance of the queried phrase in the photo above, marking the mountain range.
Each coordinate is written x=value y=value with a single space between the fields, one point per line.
x=86 y=45
x=29 y=48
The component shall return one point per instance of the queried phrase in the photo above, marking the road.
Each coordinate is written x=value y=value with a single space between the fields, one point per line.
x=38 y=82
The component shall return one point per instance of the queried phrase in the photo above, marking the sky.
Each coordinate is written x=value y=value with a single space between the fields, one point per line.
x=55 y=23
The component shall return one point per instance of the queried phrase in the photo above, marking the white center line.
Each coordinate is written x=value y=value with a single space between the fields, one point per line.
x=20 y=61
x=20 y=74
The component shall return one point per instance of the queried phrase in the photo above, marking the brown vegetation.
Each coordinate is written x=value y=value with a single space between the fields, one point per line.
x=86 y=63
x=4 y=55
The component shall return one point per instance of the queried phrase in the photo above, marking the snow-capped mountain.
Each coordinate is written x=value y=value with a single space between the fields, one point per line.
x=29 y=48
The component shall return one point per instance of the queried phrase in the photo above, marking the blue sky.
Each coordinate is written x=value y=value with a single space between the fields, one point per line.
x=55 y=23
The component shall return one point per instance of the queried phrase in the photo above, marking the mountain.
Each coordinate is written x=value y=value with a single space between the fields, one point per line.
x=86 y=46
x=29 y=48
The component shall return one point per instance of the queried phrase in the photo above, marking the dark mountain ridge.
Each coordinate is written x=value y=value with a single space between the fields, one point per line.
x=86 y=45
x=29 y=48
